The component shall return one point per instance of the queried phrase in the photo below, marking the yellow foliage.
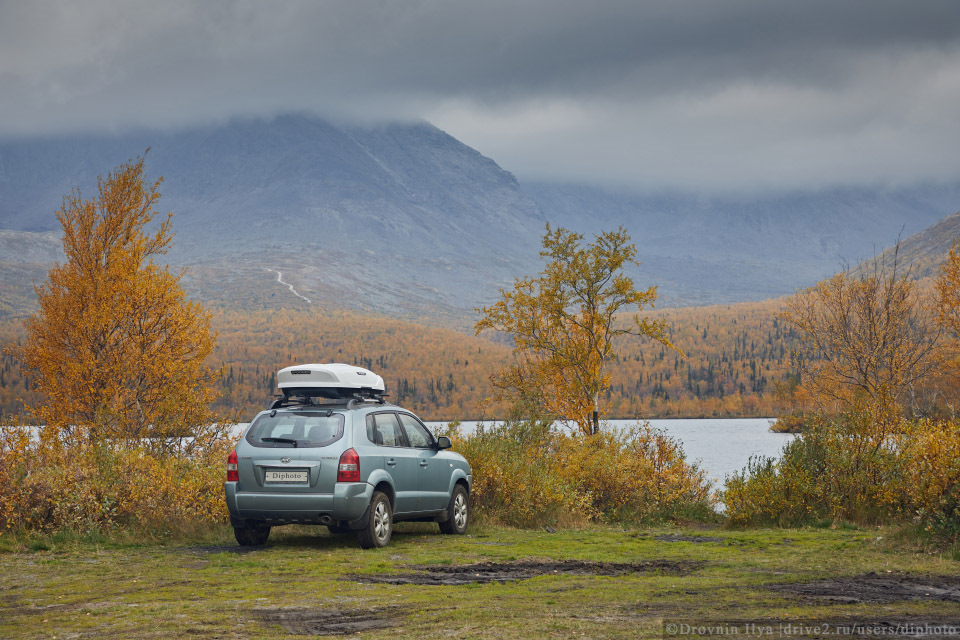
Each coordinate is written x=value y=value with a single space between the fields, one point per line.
x=564 y=324
x=96 y=485
x=526 y=474
x=634 y=475
x=116 y=350
x=948 y=292
x=930 y=453
x=849 y=468
x=874 y=354
x=870 y=341
x=735 y=357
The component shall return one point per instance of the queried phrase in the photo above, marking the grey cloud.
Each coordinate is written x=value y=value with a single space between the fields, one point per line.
x=651 y=90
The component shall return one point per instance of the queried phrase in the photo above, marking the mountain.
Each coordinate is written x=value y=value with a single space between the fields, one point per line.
x=406 y=220
x=393 y=217
x=924 y=252
x=718 y=249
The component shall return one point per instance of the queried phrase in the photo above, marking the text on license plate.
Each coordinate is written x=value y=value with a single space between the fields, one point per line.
x=286 y=476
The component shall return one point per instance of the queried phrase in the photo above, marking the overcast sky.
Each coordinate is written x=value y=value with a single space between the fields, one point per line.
x=699 y=94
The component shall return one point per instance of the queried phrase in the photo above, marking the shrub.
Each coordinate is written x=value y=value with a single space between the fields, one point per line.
x=930 y=462
x=527 y=474
x=849 y=468
x=48 y=485
x=515 y=478
x=839 y=468
x=791 y=423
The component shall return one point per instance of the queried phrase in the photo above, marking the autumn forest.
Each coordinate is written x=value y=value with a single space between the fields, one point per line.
x=734 y=359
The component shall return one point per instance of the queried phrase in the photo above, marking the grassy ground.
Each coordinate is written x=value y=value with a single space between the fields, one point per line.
x=306 y=582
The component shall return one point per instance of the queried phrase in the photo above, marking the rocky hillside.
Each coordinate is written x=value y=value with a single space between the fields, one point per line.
x=716 y=249
x=393 y=217
x=924 y=252
x=406 y=220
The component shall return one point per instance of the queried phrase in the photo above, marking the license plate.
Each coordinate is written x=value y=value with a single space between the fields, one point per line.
x=286 y=476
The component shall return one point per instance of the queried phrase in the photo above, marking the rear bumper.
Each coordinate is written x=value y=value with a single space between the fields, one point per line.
x=348 y=502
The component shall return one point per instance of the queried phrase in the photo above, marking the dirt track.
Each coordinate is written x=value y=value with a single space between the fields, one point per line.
x=876 y=588
x=485 y=572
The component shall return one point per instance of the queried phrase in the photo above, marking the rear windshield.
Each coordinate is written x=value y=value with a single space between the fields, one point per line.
x=296 y=429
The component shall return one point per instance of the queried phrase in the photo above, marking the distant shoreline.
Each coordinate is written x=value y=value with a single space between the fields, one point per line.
x=617 y=419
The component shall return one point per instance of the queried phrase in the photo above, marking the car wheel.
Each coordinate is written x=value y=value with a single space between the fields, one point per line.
x=377 y=532
x=458 y=512
x=251 y=536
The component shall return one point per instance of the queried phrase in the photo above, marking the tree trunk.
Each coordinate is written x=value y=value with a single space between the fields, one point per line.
x=596 y=413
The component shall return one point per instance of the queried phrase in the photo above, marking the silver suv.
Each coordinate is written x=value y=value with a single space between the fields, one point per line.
x=353 y=464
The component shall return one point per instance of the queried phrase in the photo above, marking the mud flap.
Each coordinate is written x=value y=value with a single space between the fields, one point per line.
x=361 y=522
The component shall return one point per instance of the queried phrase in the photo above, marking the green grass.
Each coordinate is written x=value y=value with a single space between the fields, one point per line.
x=127 y=587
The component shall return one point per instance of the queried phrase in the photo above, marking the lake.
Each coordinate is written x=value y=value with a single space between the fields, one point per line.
x=718 y=446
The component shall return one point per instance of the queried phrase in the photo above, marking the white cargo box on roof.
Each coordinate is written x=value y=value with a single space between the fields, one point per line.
x=329 y=381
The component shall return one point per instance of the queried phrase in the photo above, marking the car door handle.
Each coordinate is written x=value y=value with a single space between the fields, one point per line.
x=391 y=462
x=423 y=463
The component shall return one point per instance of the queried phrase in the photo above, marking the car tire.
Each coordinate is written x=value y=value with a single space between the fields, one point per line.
x=380 y=526
x=251 y=536
x=458 y=512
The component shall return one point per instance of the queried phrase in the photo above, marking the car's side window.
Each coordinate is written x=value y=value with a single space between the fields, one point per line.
x=383 y=429
x=417 y=434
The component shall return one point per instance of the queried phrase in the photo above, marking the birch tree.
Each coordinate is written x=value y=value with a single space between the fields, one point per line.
x=566 y=321
x=116 y=349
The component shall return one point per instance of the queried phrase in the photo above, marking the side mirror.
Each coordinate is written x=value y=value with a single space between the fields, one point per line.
x=443 y=442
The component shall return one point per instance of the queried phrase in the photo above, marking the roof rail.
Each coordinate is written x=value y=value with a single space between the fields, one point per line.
x=352 y=402
x=359 y=399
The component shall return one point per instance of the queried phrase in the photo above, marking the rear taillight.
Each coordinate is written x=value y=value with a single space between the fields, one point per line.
x=349 y=469
x=232 y=474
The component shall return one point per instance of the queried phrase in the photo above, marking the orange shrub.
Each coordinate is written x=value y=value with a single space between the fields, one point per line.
x=637 y=475
x=516 y=480
x=930 y=455
x=47 y=485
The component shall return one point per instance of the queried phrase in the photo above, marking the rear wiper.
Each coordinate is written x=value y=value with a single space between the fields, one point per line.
x=287 y=440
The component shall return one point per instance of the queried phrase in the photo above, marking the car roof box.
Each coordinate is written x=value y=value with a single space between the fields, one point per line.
x=333 y=381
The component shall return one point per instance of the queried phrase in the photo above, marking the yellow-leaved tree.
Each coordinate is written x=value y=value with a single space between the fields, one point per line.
x=947 y=287
x=871 y=341
x=116 y=349
x=948 y=293
x=564 y=323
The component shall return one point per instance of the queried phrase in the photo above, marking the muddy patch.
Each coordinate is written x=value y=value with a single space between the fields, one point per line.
x=329 y=622
x=484 y=572
x=876 y=588
x=673 y=537
x=224 y=548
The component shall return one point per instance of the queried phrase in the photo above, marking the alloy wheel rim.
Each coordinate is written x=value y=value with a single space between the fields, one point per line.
x=460 y=511
x=381 y=522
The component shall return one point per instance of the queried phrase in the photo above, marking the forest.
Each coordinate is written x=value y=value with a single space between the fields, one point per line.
x=734 y=359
